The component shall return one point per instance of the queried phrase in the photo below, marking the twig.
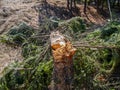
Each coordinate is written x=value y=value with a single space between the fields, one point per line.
x=40 y=36
x=22 y=68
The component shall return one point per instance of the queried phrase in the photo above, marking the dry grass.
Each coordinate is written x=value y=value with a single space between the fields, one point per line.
x=13 y=13
x=9 y=54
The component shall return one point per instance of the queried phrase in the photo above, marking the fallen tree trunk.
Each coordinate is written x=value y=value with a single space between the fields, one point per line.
x=63 y=73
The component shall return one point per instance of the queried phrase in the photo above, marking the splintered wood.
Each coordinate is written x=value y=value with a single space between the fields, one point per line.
x=63 y=73
x=62 y=49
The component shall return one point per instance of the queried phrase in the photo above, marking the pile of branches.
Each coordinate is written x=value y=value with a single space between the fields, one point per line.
x=97 y=55
x=34 y=72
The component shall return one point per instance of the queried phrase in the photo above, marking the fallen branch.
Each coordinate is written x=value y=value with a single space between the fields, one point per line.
x=98 y=47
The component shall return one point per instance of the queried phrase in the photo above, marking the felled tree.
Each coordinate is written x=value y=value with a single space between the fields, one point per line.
x=63 y=73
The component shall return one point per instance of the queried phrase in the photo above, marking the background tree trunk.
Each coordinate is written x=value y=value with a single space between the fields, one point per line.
x=74 y=1
x=85 y=6
x=114 y=2
x=71 y=3
x=68 y=3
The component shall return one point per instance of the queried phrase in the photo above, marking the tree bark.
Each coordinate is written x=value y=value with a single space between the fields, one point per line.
x=63 y=73
x=68 y=4
x=71 y=2
x=102 y=4
x=118 y=3
x=74 y=1
x=114 y=2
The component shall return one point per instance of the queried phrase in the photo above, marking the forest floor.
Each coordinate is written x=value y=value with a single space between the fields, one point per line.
x=13 y=12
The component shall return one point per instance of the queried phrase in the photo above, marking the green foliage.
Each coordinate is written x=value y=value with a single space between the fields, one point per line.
x=49 y=24
x=72 y=27
x=31 y=74
x=93 y=35
x=23 y=28
x=111 y=28
x=84 y=70
x=34 y=73
x=42 y=77
x=15 y=79
x=105 y=60
x=3 y=87
x=18 y=35
x=30 y=49
x=20 y=79
x=75 y=24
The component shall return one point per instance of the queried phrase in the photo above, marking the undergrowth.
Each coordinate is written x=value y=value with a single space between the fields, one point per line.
x=92 y=66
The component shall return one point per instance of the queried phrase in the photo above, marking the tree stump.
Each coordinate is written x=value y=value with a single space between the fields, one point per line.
x=63 y=73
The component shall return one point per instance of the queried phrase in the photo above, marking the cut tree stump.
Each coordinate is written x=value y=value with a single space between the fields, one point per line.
x=63 y=73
